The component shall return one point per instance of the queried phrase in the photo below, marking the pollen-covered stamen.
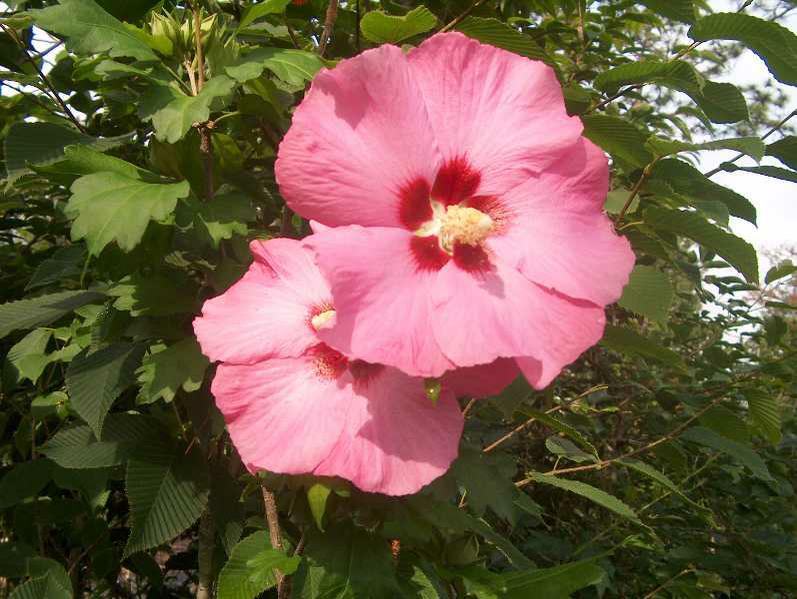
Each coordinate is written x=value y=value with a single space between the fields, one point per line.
x=465 y=225
x=322 y=319
x=329 y=363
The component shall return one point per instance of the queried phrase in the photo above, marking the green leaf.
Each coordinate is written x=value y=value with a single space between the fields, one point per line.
x=49 y=580
x=317 y=496
x=723 y=421
x=649 y=293
x=27 y=358
x=501 y=35
x=40 y=144
x=735 y=250
x=768 y=171
x=785 y=150
x=346 y=563
x=629 y=342
x=678 y=10
x=226 y=216
x=153 y=295
x=562 y=427
x=774 y=44
x=751 y=146
x=784 y=269
x=250 y=569
x=743 y=454
x=225 y=505
x=112 y=207
x=94 y=380
x=295 y=67
x=33 y=312
x=685 y=180
x=765 y=414
x=257 y=11
x=65 y=263
x=14 y=558
x=602 y=498
x=179 y=366
x=488 y=480
x=565 y=448
x=661 y=478
x=77 y=447
x=618 y=137
x=24 y=481
x=90 y=30
x=168 y=489
x=382 y=28
x=173 y=113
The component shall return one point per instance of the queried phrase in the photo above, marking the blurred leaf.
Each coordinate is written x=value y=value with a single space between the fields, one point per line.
x=751 y=146
x=629 y=342
x=776 y=45
x=317 y=496
x=257 y=11
x=66 y=262
x=488 y=480
x=785 y=150
x=49 y=580
x=565 y=448
x=382 y=28
x=649 y=293
x=33 y=312
x=743 y=454
x=94 y=380
x=27 y=358
x=784 y=269
x=767 y=171
x=25 y=480
x=765 y=414
x=179 y=366
x=500 y=35
x=678 y=10
x=14 y=558
x=153 y=295
x=659 y=477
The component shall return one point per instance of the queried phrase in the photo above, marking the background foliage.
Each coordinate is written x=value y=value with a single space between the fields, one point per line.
x=138 y=162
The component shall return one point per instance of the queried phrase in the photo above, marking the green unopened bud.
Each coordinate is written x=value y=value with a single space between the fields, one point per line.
x=432 y=388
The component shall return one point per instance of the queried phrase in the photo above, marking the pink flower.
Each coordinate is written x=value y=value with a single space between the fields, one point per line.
x=294 y=405
x=466 y=206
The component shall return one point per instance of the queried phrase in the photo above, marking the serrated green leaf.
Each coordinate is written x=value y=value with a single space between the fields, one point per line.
x=77 y=447
x=295 y=67
x=382 y=28
x=65 y=263
x=685 y=180
x=179 y=366
x=90 y=30
x=250 y=569
x=767 y=171
x=784 y=269
x=649 y=293
x=27 y=358
x=742 y=453
x=173 y=113
x=629 y=342
x=618 y=137
x=40 y=144
x=110 y=207
x=602 y=498
x=257 y=11
x=33 y=312
x=735 y=250
x=678 y=10
x=723 y=421
x=24 y=481
x=154 y=295
x=501 y=35
x=765 y=414
x=785 y=150
x=751 y=146
x=774 y=44
x=49 y=580
x=167 y=488
x=94 y=380
x=223 y=218
x=488 y=480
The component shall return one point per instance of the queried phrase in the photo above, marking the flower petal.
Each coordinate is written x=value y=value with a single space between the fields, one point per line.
x=381 y=298
x=499 y=313
x=360 y=135
x=484 y=380
x=267 y=312
x=557 y=235
x=504 y=113
x=395 y=439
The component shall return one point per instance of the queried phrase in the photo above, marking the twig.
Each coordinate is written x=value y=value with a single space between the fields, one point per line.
x=635 y=190
x=205 y=142
x=600 y=465
x=329 y=24
x=457 y=20
x=292 y=34
x=207 y=532
x=667 y=583
x=13 y=34
x=468 y=407
x=777 y=127
x=275 y=535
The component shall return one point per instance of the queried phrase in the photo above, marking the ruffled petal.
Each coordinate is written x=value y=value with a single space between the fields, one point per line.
x=395 y=439
x=501 y=112
x=267 y=313
x=556 y=234
x=360 y=136
x=498 y=313
x=381 y=298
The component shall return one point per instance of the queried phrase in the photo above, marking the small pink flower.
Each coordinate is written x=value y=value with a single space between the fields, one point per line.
x=294 y=405
x=466 y=206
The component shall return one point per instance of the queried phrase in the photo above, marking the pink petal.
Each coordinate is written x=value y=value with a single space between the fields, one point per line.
x=502 y=112
x=381 y=297
x=267 y=312
x=484 y=380
x=396 y=440
x=557 y=235
x=360 y=135
x=498 y=313
x=280 y=414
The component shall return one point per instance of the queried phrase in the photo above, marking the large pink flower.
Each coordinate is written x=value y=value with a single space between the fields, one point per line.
x=293 y=405
x=466 y=209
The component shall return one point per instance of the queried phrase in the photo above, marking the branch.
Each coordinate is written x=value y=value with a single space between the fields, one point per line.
x=635 y=190
x=205 y=142
x=457 y=20
x=329 y=24
x=275 y=536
